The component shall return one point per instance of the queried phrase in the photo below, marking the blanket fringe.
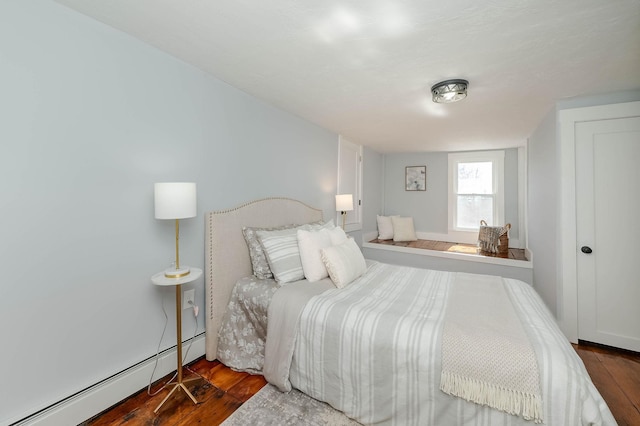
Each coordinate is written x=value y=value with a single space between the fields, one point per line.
x=527 y=405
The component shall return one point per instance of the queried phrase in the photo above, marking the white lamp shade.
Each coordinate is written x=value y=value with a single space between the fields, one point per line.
x=344 y=202
x=175 y=200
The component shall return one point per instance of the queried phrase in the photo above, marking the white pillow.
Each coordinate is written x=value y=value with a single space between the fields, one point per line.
x=337 y=235
x=310 y=243
x=325 y=225
x=385 y=227
x=344 y=262
x=403 y=229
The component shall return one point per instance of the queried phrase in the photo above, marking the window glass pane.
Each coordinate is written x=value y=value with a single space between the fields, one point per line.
x=473 y=208
x=475 y=178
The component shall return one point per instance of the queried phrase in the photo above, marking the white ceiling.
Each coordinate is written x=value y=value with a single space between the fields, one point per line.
x=364 y=69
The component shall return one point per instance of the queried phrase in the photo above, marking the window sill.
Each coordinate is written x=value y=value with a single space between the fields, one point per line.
x=467 y=257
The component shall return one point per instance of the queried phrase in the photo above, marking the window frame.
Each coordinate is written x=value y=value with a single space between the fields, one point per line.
x=497 y=160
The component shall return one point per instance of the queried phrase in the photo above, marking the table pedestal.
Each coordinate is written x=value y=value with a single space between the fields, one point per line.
x=178 y=385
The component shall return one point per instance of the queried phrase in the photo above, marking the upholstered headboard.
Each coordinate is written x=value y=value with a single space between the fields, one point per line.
x=227 y=255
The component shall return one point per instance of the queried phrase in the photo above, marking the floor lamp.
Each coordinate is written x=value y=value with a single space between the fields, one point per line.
x=344 y=204
x=176 y=200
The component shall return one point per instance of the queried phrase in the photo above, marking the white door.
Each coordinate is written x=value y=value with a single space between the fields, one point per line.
x=608 y=231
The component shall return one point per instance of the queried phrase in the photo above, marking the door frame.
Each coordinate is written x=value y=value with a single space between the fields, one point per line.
x=567 y=269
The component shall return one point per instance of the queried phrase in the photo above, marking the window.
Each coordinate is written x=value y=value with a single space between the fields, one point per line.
x=476 y=189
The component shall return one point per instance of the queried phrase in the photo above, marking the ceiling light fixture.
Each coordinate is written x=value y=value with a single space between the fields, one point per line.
x=449 y=91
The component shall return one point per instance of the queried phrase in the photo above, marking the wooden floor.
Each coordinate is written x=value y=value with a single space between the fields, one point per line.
x=615 y=374
x=218 y=389
x=513 y=253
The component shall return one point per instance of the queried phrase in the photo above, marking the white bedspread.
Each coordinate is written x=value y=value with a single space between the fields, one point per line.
x=372 y=350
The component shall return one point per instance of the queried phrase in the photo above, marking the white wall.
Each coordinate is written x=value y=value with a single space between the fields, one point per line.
x=428 y=208
x=542 y=210
x=91 y=118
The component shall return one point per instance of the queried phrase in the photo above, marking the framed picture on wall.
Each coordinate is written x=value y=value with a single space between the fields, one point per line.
x=415 y=178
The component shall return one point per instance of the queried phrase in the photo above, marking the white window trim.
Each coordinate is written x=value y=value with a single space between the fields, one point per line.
x=354 y=218
x=497 y=158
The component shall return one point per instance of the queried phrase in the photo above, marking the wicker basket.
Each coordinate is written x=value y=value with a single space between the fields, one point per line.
x=503 y=247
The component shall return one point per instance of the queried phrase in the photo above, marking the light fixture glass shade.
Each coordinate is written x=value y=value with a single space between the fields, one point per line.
x=344 y=202
x=175 y=200
x=449 y=91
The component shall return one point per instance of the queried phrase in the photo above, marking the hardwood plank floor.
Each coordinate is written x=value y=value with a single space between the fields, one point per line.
x=616 y=375
x=221 y=391
x=514 y=253
x=218 y=389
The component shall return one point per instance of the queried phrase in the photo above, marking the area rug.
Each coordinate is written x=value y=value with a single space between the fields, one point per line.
x=271 y=407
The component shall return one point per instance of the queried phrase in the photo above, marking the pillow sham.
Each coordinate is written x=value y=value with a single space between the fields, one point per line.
x=259 y=261
x=403 y=229
x=344 y=262
x=310 y=243
x=337 y=236
x=385 y=227
x=282 y=252
x=323 y=225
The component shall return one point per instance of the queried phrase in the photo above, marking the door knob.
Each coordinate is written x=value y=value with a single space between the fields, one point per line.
x=586 y=250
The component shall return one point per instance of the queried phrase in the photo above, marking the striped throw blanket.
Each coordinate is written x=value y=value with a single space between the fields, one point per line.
x=486 y=354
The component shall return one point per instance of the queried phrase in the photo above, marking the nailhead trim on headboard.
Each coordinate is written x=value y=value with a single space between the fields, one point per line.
x=219 y=283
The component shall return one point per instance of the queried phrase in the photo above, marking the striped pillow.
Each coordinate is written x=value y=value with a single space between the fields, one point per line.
x=282 y=251
x=258 y=259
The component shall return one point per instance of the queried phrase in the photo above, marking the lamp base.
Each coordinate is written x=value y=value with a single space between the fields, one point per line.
x=177 y=272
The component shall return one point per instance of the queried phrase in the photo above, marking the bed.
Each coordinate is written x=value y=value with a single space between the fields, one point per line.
x=396 y=345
